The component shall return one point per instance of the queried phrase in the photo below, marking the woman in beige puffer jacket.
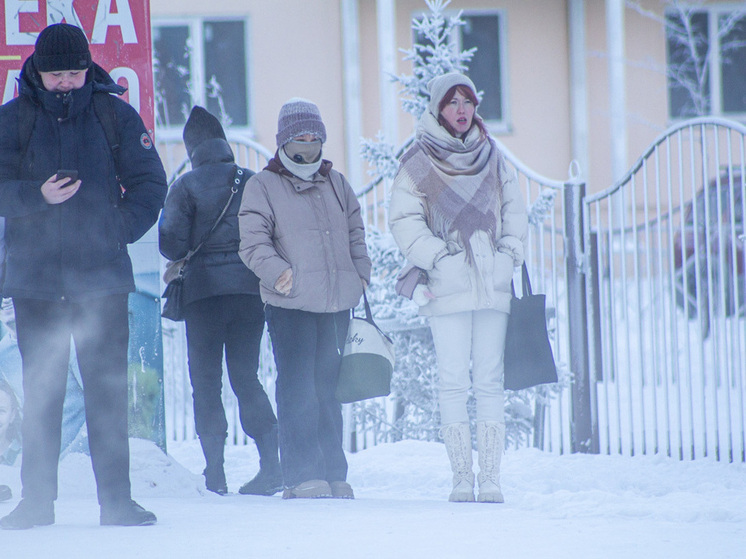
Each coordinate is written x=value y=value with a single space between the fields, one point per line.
x=456 y=214
x=302 y=235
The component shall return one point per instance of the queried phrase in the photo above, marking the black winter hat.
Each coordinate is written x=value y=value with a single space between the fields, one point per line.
x=62 y=47
x=199 y=127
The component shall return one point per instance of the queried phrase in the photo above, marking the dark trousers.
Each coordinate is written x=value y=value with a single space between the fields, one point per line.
x=234 y=323
x=100 y=329
x=307 y=349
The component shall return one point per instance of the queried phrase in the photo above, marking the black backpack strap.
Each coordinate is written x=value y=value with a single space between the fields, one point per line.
x=103 y=106
x=26 y=122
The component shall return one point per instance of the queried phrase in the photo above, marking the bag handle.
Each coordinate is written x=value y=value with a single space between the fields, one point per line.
x=369 y=316
x=525 y=282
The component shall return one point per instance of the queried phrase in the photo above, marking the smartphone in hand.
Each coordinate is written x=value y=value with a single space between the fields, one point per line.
x=70 y=174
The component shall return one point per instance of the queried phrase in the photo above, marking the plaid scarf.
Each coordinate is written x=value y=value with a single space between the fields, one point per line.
x=459 y=180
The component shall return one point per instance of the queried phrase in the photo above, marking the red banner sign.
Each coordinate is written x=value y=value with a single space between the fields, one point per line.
x=118 y=31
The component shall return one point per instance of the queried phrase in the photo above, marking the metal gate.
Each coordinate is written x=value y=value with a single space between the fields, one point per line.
x=664 y=253
x=645 y=295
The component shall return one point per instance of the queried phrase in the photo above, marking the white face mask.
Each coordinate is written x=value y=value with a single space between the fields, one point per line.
x=303 y=152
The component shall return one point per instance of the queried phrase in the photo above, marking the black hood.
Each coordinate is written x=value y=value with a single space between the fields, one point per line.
x=200 y=127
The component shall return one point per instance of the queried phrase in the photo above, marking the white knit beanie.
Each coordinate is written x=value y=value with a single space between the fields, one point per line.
x=440 y=85
x=297 y=117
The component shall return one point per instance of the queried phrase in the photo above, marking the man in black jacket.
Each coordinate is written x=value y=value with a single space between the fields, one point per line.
x=67 y=266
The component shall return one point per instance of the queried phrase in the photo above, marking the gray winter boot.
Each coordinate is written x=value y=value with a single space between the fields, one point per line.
x=490 y=444
x=457 y=438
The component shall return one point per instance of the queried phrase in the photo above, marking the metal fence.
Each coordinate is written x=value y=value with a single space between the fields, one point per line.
x=666 y=295
x=644 y=285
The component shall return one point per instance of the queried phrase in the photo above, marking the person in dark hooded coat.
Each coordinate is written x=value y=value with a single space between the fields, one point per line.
x=223 y=309
x=67 y=266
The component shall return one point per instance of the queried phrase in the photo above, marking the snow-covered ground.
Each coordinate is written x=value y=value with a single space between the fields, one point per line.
x=556 y=507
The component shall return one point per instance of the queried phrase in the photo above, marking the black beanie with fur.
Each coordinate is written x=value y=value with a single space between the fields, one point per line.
x=62 y=47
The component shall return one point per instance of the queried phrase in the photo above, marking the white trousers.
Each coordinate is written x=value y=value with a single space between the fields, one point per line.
x=475 y=338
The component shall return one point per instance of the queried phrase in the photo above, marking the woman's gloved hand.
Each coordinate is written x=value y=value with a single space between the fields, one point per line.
x=513 y=247
x=421 y=295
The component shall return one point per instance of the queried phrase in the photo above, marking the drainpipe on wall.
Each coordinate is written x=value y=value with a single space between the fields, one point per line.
x=617 y=97
x=386 y=19
x=353 y=130
x=578 y=86
x=352 y=92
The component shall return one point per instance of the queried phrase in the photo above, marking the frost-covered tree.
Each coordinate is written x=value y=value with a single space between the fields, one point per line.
x=431 y=56
x=690 y=49
x=414 y=414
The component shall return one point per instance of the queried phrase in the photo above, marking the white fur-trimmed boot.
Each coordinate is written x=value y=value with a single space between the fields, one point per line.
x=490 y=443
x=457 y=438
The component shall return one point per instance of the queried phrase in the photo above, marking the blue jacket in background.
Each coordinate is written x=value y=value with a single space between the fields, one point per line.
x=76 y=249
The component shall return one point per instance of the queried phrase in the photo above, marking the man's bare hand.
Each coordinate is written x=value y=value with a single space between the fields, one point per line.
x=55 y=193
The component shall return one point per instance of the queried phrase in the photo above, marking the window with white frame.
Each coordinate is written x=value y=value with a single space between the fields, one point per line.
x=706 y=61
x=201 y=62
x=485 y=30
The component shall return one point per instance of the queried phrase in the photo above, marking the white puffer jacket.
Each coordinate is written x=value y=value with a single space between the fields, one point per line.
x=457 y=285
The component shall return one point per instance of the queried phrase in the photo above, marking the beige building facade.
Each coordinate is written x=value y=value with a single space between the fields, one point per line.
x=546 y=66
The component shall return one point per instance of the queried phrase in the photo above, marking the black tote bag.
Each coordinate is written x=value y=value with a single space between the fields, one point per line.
x=528 y=354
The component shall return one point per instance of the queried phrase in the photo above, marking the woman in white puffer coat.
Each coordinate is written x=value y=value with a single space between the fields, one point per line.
x=456 y=214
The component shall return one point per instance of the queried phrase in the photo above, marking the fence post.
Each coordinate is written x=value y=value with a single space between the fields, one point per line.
x=583 y=437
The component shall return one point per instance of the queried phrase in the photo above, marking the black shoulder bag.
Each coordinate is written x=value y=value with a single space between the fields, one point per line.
x=173 y=276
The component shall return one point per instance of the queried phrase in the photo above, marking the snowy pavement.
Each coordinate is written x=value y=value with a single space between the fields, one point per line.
x=556 y=507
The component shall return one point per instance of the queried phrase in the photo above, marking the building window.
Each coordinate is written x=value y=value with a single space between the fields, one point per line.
x=487 y=68
x=706 y=62
x=201 y=62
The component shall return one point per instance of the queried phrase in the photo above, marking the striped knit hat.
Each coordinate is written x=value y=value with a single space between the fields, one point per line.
x=297 y=117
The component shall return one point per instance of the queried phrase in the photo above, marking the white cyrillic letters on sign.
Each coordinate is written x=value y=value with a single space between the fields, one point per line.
x=59 y=10
x=106 y=19
x=13 y=11
x=133 y=84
